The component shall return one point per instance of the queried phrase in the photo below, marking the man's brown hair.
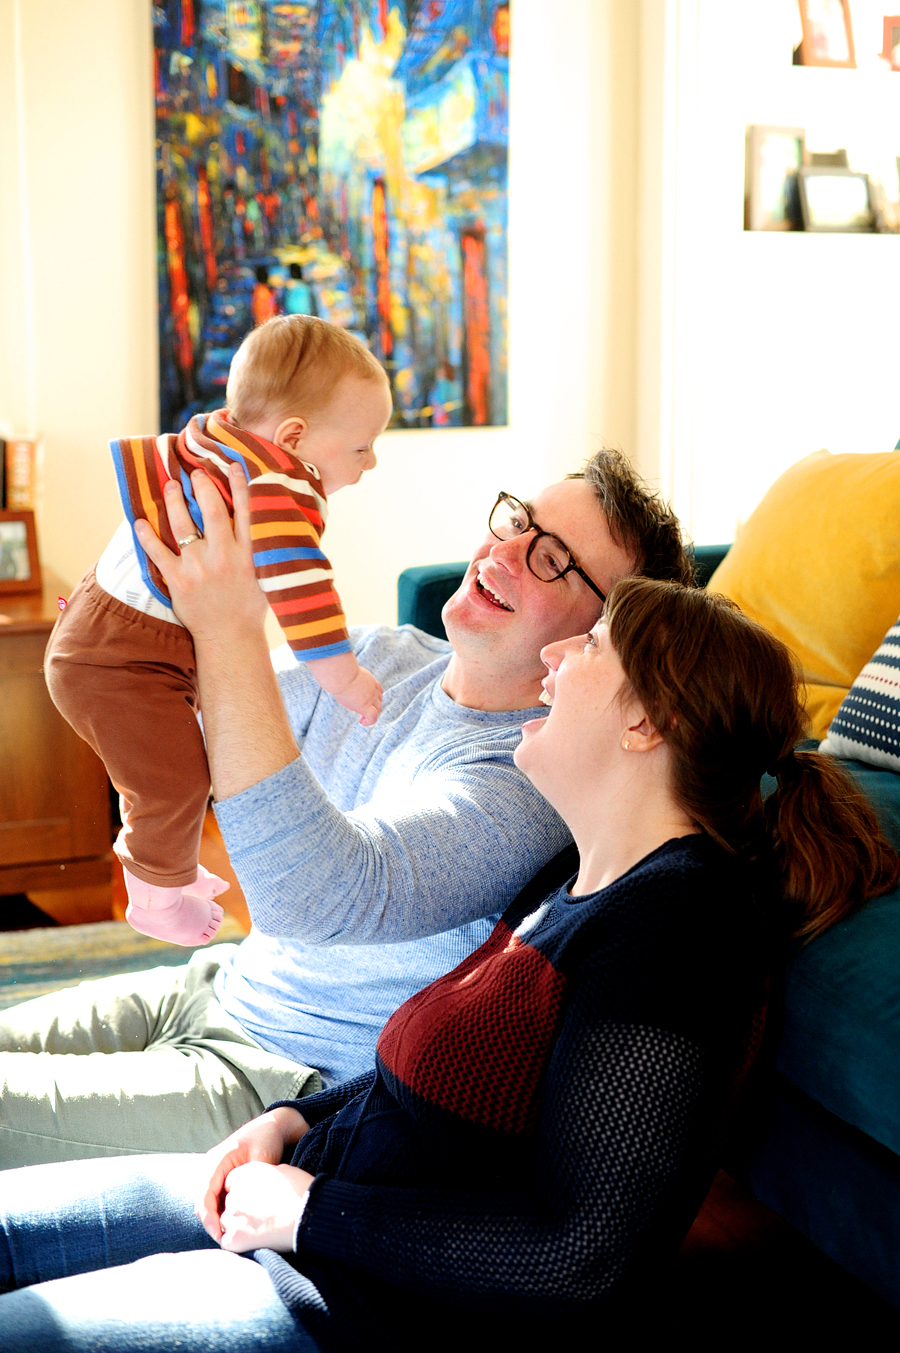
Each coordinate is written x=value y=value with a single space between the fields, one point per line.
x=639 y=520
x=293 y=364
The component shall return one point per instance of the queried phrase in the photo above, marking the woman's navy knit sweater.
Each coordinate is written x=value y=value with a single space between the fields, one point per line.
x=542 y=1123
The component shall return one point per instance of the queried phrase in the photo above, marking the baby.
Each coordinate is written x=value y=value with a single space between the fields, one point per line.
x=305 y=402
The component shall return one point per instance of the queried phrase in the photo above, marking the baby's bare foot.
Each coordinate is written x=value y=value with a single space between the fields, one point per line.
x=186 y=916
x=190 y=921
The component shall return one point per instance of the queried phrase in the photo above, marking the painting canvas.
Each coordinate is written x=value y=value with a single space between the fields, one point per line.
x=342 y=158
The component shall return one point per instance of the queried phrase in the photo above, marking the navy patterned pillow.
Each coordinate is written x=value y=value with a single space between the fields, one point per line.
x=867 y=725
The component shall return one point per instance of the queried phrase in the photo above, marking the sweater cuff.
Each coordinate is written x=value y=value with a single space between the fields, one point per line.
x=325 y=1103
x=272 y=796
x=326 y=1110
x=303 y=1202
x=330 y=1217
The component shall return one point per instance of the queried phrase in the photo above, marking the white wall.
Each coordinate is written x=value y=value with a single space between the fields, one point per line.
x=77 y=252
x=756 y=348
x=641 y=312
x=77 y=270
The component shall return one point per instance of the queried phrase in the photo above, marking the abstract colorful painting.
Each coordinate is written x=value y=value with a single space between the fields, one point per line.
x=343 y=158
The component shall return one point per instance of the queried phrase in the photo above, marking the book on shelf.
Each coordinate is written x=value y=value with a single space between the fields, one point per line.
x=2 y=473
x=24 y=473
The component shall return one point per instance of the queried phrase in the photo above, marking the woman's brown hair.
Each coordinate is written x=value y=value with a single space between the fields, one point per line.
x=724 y=694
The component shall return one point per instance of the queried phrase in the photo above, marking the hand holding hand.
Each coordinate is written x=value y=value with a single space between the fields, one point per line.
x=263 y=1204
x=262 y=1140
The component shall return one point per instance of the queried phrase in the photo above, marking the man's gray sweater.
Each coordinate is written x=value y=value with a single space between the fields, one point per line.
x=379 y=858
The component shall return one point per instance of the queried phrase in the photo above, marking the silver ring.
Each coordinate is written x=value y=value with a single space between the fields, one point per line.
x=188 y=540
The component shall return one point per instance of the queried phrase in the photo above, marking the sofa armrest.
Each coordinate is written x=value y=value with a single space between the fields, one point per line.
x=421 y=593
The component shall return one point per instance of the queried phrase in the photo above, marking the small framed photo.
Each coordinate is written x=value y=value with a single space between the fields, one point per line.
x=827 y=33
x=20 y=570
x=774 y=157
x=891 y=44
x=836 y=200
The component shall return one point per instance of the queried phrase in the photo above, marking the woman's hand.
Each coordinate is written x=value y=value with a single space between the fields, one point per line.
x=263 y=1204
x=262 y=1141
x=212 y=582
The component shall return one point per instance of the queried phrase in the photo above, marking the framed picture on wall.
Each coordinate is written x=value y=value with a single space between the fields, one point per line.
x=827 y=33
x=891 y=45
x=292 y=178
x=836 y=200
x=774 y=156
x=20 y=570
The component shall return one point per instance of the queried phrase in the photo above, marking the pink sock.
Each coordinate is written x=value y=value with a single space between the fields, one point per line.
x=186 y=915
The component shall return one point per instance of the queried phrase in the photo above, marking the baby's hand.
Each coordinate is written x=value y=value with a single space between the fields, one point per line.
x=351 y=685
x=363 y=696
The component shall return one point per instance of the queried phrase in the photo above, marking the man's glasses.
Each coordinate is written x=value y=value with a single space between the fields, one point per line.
x=547 y=558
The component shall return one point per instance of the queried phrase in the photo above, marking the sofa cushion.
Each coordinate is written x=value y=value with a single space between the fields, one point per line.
x=867 y=725
x=818 y=563
x=842 y=999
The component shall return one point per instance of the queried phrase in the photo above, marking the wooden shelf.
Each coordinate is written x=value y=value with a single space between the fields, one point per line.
x=54 y=794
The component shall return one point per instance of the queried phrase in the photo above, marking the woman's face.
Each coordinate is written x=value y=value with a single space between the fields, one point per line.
x=588 y=717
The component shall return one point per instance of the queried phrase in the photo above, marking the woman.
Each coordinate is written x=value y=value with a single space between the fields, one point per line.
x=543 y=1122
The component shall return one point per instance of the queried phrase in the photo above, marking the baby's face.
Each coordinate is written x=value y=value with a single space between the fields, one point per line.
x=339 y=439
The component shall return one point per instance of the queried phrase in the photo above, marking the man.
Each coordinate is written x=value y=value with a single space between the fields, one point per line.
x=372 y=862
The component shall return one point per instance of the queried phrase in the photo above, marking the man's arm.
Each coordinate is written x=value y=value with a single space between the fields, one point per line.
x=455 y=846
x=216 y=594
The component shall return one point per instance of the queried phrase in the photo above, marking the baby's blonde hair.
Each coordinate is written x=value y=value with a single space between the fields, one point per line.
x=292 y=364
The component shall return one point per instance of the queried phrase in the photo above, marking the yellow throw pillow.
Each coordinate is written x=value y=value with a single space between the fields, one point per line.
x=818 y=563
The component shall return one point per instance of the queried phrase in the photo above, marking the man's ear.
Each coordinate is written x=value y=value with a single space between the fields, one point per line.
x=290 y=433
x=641 y=734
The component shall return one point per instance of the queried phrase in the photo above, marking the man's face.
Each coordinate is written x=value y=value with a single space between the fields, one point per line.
x=502 y=611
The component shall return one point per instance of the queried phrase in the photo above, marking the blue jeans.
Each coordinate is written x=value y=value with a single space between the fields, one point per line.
x=107 y=1254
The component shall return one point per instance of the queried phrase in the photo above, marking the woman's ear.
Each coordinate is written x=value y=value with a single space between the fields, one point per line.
x=290 y=433
x=640 y=734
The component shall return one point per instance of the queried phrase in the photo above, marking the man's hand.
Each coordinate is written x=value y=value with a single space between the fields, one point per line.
x=262 y=1140
x=212 y=582
x=262 y=1207
x=216 y=593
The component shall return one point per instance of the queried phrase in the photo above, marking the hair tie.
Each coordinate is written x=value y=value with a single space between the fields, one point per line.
x=787 y=768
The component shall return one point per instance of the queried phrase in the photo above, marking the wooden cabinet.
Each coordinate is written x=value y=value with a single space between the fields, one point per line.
x=55 y=827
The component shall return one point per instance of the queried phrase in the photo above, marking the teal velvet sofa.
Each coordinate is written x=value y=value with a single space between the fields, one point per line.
x=823 y=1149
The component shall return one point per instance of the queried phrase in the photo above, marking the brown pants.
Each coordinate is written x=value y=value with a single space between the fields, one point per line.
x=127 y=683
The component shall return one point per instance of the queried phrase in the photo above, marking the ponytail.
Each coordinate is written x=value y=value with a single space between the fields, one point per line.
x=723 y=692
x=829 y=851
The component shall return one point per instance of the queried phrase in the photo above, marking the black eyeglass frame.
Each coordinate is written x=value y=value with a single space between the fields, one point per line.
x=571 y=567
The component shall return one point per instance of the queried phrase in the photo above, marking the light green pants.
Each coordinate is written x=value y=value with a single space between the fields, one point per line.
x=149 y=1061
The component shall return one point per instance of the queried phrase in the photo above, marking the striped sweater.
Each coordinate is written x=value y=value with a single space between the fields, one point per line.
x=288 y=510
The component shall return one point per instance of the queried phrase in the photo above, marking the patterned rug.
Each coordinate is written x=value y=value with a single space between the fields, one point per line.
x=33 y=962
